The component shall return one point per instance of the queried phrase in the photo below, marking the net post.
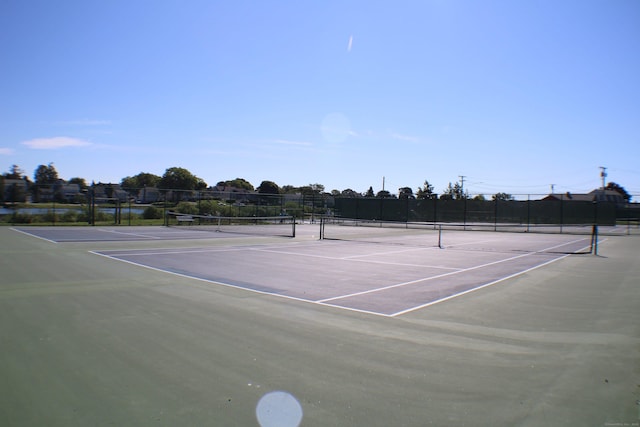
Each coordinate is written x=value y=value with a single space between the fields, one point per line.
x=594 y=239
x=440 y=236
x=293 y=227
x=321 y=235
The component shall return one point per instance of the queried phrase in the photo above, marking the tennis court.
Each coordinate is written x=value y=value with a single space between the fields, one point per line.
x=174 y=326
x=380 y=270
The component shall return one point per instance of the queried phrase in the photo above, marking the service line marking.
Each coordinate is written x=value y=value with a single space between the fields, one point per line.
x=425 y=279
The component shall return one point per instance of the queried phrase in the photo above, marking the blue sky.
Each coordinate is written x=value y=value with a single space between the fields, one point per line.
x=513 y=95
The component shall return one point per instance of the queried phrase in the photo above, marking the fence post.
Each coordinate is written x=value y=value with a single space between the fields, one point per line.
x=528 y=212
x=464 y=214
x=435 y=210
x=561 y=212
x=407 y=210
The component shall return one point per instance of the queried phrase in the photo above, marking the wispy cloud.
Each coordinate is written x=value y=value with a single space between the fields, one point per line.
x=6 y=151
x=350 y=44
x=83 y=122
x=407 y=138
x=55 y=143
x=294 y=143
x=385 y=135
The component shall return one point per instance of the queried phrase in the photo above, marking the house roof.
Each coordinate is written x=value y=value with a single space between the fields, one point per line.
x=599 y=195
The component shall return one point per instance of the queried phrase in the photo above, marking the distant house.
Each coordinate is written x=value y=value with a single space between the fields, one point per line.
x=70 y=192
x=120 y=194
x=44 y=194
x=228 y=193
x=15 y=190
x=148 y=195
x=598 y=195
x=605 y=195
x=109 y=193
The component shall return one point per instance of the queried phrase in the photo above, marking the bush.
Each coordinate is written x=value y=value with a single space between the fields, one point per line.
x=208 y=207
x=20 y=218
x=103 y=216
x=216 y=207
x=152 y=213
x=187 y=208
x=83 y=217
x=69 y=216
x=50 y=217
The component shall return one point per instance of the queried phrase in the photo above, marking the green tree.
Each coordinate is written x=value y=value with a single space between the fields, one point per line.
x=448 y=193
x=14 y=173
x=405 y=193
x=45 y=175
x=141 y=180
x=502 y=197
x=289 y=189
x=237 y=183
x=177 y=178
x=370 y=193
x=350 y=193
x=620 y=189
x=426 y=192
x=454 y=191
x=384 y=194
x=312 y=189
x=268 y=187
x=45 y=178
x=80 y=182
x=201 y=184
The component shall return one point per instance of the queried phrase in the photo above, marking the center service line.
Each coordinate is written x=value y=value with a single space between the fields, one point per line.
x=425 y=279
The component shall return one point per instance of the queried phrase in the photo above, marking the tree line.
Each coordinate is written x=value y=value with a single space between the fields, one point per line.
x=14 y=185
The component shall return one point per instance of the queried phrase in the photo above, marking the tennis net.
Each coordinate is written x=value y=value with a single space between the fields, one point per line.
x=470 y=237
x=277 y=226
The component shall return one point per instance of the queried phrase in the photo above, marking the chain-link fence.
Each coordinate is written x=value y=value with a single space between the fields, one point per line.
x=527 y=212
x=110 y=204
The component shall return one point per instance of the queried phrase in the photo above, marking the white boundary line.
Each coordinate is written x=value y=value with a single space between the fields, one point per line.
x=243 y=288
x=350 y=258
x=502 y=279
x=424 y=279
x=34 y=235
x=172 y=251
x=412 y=282
x=150 y=252
x=128 y=234
x=325 y=302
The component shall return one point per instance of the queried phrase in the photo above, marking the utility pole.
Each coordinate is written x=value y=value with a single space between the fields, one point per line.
x=603 y=174
x=552 y=187
x=462 y=177
x=383 y=183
